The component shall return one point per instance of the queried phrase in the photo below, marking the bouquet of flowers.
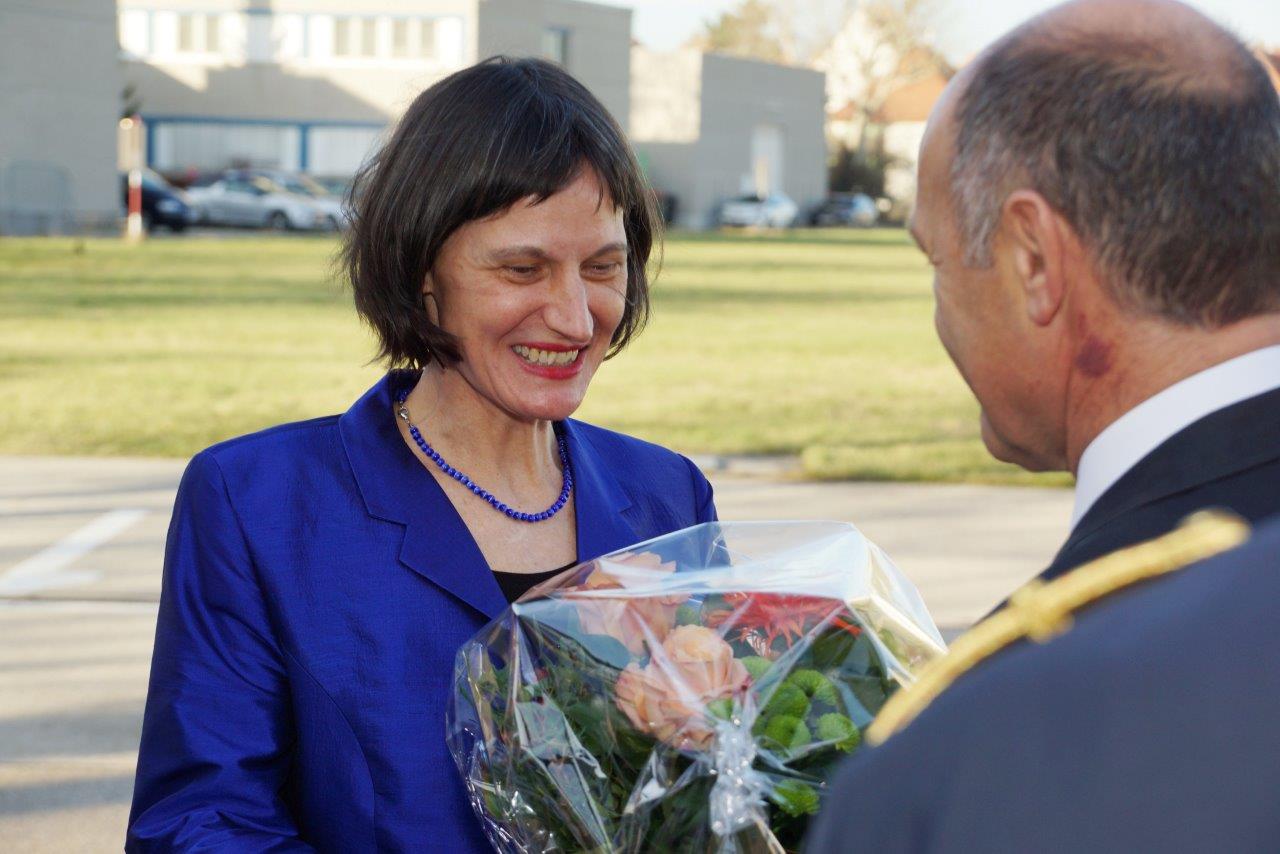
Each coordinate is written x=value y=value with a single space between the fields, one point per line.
x=692 y=693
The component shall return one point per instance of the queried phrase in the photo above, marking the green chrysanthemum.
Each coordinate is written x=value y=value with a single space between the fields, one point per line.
x=687 y=615
x=795 y=798
x=815 y=686
x=721 y=708
x=840 y=731
x=787 y=732
x=757 y=666
x=787 y=699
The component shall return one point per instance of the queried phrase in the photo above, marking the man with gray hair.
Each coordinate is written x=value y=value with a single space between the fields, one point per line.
x=1100 y=199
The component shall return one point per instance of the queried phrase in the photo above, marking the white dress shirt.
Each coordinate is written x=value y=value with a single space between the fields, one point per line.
x=1142 y=429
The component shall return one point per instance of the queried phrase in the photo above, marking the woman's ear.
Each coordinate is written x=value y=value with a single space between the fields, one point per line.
x=429 y=302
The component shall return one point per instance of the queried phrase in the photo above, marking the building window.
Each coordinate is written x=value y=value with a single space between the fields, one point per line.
x=413 y=38
x=394 y=40
x=555 y=44
x=402 y=37
x=355 y=37
x=199 y=33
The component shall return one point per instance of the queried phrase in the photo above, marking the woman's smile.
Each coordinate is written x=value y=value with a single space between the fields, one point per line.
x=552 y=361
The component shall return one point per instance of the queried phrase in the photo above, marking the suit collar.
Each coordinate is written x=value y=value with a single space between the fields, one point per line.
x=1146 y=426
x=1223 y=443
x=437 y=544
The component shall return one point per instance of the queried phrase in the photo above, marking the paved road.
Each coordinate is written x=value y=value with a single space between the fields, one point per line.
x=80 y=549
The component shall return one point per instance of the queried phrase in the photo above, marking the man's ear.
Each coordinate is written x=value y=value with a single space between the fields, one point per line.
x=1033 y=234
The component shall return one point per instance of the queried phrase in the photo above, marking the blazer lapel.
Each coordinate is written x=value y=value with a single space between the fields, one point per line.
x=601 y=507
x=396 y=488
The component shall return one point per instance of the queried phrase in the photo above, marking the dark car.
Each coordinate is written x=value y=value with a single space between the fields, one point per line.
x=162 y=203
x=857 y=209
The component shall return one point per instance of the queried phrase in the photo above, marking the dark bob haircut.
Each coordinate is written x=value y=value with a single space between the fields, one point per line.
x=470 y=147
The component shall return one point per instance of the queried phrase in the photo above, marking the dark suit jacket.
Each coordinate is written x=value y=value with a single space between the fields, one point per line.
x=317 y=585
x=1150 y=726
x=1228 y=459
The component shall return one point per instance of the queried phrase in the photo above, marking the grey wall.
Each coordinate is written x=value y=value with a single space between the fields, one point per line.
x=271 y=92
x=694 y=115
x=60 y=103
x=599 y=42
x=738 y=95
x=599 y=50
x=666 y=115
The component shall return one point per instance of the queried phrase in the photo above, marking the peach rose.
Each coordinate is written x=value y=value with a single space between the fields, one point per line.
x=633 y=620
x=669 y=696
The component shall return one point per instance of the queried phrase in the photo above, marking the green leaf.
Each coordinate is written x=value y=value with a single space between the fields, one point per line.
x=836 y=649
x=795 y=798
x=815 y=685
x=787 y=699
x=757 y=666
x=786 y=732
x=840 y=731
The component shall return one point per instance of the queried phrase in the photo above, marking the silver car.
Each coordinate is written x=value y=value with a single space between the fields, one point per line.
x=775 y=210
x=257 y=202
x=331 y=205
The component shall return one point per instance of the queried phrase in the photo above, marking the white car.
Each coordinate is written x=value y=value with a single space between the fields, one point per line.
x=336 y=215
x=257 y=202
x=773 y=211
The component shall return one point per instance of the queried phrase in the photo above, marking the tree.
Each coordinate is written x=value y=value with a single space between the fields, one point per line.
x=853 y=171
x=787 y=31
x=748 y=30
x=882 y=47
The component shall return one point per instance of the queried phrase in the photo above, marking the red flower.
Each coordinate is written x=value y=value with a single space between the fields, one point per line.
x=774 y=615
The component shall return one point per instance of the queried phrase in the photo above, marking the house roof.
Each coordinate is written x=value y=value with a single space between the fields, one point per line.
x=844 y=114
x=928 y=73
x=912 y=102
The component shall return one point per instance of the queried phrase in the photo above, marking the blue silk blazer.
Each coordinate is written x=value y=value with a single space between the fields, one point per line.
x=317 y=584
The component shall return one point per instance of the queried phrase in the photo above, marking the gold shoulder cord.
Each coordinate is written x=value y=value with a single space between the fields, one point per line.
x=1041 y=611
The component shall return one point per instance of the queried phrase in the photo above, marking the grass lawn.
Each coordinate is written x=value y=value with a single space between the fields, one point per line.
x=813 y=343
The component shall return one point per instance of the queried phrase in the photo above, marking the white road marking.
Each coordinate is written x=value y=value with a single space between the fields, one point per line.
x=45 y=568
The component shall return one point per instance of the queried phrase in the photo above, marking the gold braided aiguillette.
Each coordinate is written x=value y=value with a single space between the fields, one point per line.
x=1041 y=611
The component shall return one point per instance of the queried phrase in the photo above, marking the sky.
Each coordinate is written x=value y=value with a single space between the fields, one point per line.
x=963 y=26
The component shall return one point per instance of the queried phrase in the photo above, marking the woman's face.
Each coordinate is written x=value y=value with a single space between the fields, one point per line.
x=533 y=296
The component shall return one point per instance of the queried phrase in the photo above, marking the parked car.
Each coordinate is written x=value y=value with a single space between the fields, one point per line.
x=162 y=203
x=334 y=185
x=773 y=211
x=856 y=209
x=239 y=198
x=304 y=185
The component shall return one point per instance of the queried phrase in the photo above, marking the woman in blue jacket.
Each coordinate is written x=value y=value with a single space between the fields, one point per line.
x=320 y=576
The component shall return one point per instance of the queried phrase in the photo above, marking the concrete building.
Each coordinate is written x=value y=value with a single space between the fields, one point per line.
x=709 y=127
x=60 y=118
x=311 y=85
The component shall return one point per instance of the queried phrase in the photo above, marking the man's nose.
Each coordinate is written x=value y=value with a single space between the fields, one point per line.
x=568 y=311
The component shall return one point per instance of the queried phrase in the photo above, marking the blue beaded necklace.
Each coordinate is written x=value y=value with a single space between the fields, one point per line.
x=403 y=412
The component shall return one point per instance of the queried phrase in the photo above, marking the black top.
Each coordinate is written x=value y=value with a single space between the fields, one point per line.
x=516 y=584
